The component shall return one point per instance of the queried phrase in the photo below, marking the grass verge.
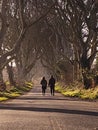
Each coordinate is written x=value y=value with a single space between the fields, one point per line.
x=15 y=92
x=78 y=92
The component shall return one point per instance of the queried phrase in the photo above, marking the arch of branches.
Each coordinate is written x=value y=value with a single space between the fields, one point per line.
x=62 y=34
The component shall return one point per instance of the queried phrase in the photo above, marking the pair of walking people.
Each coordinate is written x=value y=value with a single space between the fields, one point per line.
x=51 y=85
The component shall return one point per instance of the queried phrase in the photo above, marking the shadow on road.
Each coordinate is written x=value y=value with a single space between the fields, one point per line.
x=38 y=109
x=41 y=98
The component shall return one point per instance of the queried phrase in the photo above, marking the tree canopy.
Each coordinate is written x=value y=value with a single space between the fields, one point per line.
x=62 y=34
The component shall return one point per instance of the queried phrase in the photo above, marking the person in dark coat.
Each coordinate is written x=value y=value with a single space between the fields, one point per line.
x=52 y=85
x=44 y=85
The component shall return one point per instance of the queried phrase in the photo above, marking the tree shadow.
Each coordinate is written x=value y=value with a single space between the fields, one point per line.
x=42 y=109
x=40 y=98
x=49 y=97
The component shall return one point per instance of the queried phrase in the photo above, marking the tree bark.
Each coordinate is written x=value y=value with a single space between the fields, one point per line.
x=11 y=75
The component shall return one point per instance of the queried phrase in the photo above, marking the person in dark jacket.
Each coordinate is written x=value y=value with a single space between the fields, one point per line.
x=52 y=85
x=44 y=85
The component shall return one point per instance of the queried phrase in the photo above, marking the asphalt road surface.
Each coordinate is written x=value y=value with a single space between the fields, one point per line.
x=33 y=111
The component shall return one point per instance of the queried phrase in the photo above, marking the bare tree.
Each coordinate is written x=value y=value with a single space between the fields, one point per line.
x=81 y=31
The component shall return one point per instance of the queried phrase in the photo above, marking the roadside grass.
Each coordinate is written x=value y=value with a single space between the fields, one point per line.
x=15 y=92
x=70 y=91
x=3 y=99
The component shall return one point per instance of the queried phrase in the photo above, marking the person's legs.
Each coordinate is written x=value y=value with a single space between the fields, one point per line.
x=42 y=90
x=53 y=90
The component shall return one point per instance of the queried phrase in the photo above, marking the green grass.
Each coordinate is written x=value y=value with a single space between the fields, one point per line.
x=11 y=94
x=3 y=98
x=15 y=92
x=29 y=84
x=78 y=92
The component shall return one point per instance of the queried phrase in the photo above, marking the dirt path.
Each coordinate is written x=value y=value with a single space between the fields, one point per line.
x=36 y=112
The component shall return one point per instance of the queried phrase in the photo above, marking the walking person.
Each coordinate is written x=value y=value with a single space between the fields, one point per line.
x=44 y=85
x=52 y=85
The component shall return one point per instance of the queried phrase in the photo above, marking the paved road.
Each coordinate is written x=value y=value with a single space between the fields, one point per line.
x=36 y=112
